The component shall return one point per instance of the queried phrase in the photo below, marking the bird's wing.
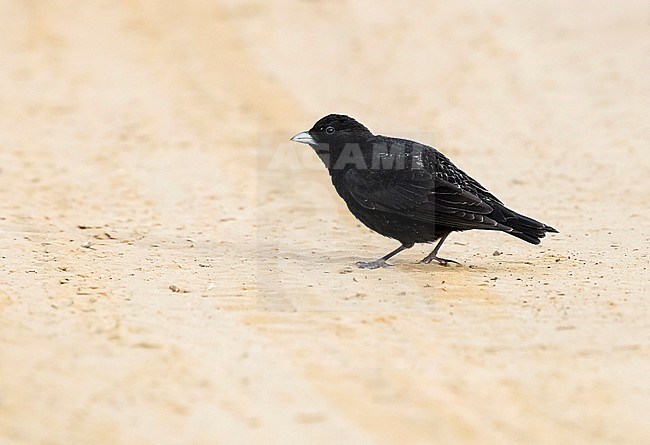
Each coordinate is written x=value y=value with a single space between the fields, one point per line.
x=421 y=196
x=446 y=170
x=438 y=165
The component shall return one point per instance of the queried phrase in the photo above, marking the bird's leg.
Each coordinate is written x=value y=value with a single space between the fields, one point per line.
x=381 y=262
x=433 y=256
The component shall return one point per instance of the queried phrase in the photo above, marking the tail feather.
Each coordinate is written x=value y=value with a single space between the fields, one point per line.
x=522 y=226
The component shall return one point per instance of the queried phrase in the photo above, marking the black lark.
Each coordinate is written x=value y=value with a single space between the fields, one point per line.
x=408 y=191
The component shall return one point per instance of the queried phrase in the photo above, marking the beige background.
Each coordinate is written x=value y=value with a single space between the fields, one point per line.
x=155 y=134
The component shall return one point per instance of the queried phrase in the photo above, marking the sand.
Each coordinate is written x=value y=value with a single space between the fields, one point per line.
x=174 y=271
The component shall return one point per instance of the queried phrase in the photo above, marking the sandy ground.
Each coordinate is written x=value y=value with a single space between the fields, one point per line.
x=144 y=145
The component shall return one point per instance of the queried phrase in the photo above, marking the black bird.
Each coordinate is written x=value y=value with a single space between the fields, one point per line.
x=408 y=191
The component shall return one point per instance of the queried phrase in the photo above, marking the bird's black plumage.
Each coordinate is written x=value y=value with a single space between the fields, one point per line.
x=408 y=191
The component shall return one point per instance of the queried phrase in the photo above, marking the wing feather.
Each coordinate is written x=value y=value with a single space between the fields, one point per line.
x=420 y=195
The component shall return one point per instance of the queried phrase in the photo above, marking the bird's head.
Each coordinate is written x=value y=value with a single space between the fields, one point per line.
x=333 y=129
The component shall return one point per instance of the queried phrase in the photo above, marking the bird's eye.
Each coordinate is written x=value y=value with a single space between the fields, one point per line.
x=329 y=130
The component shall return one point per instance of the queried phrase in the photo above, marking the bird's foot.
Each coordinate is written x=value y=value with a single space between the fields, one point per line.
x=373 y=264
x=441 y=261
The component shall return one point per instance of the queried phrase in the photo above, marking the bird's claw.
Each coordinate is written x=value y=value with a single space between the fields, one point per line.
x=441 y=261
x=372 y=264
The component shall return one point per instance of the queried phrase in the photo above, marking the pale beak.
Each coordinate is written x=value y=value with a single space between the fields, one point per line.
x=304 y=138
